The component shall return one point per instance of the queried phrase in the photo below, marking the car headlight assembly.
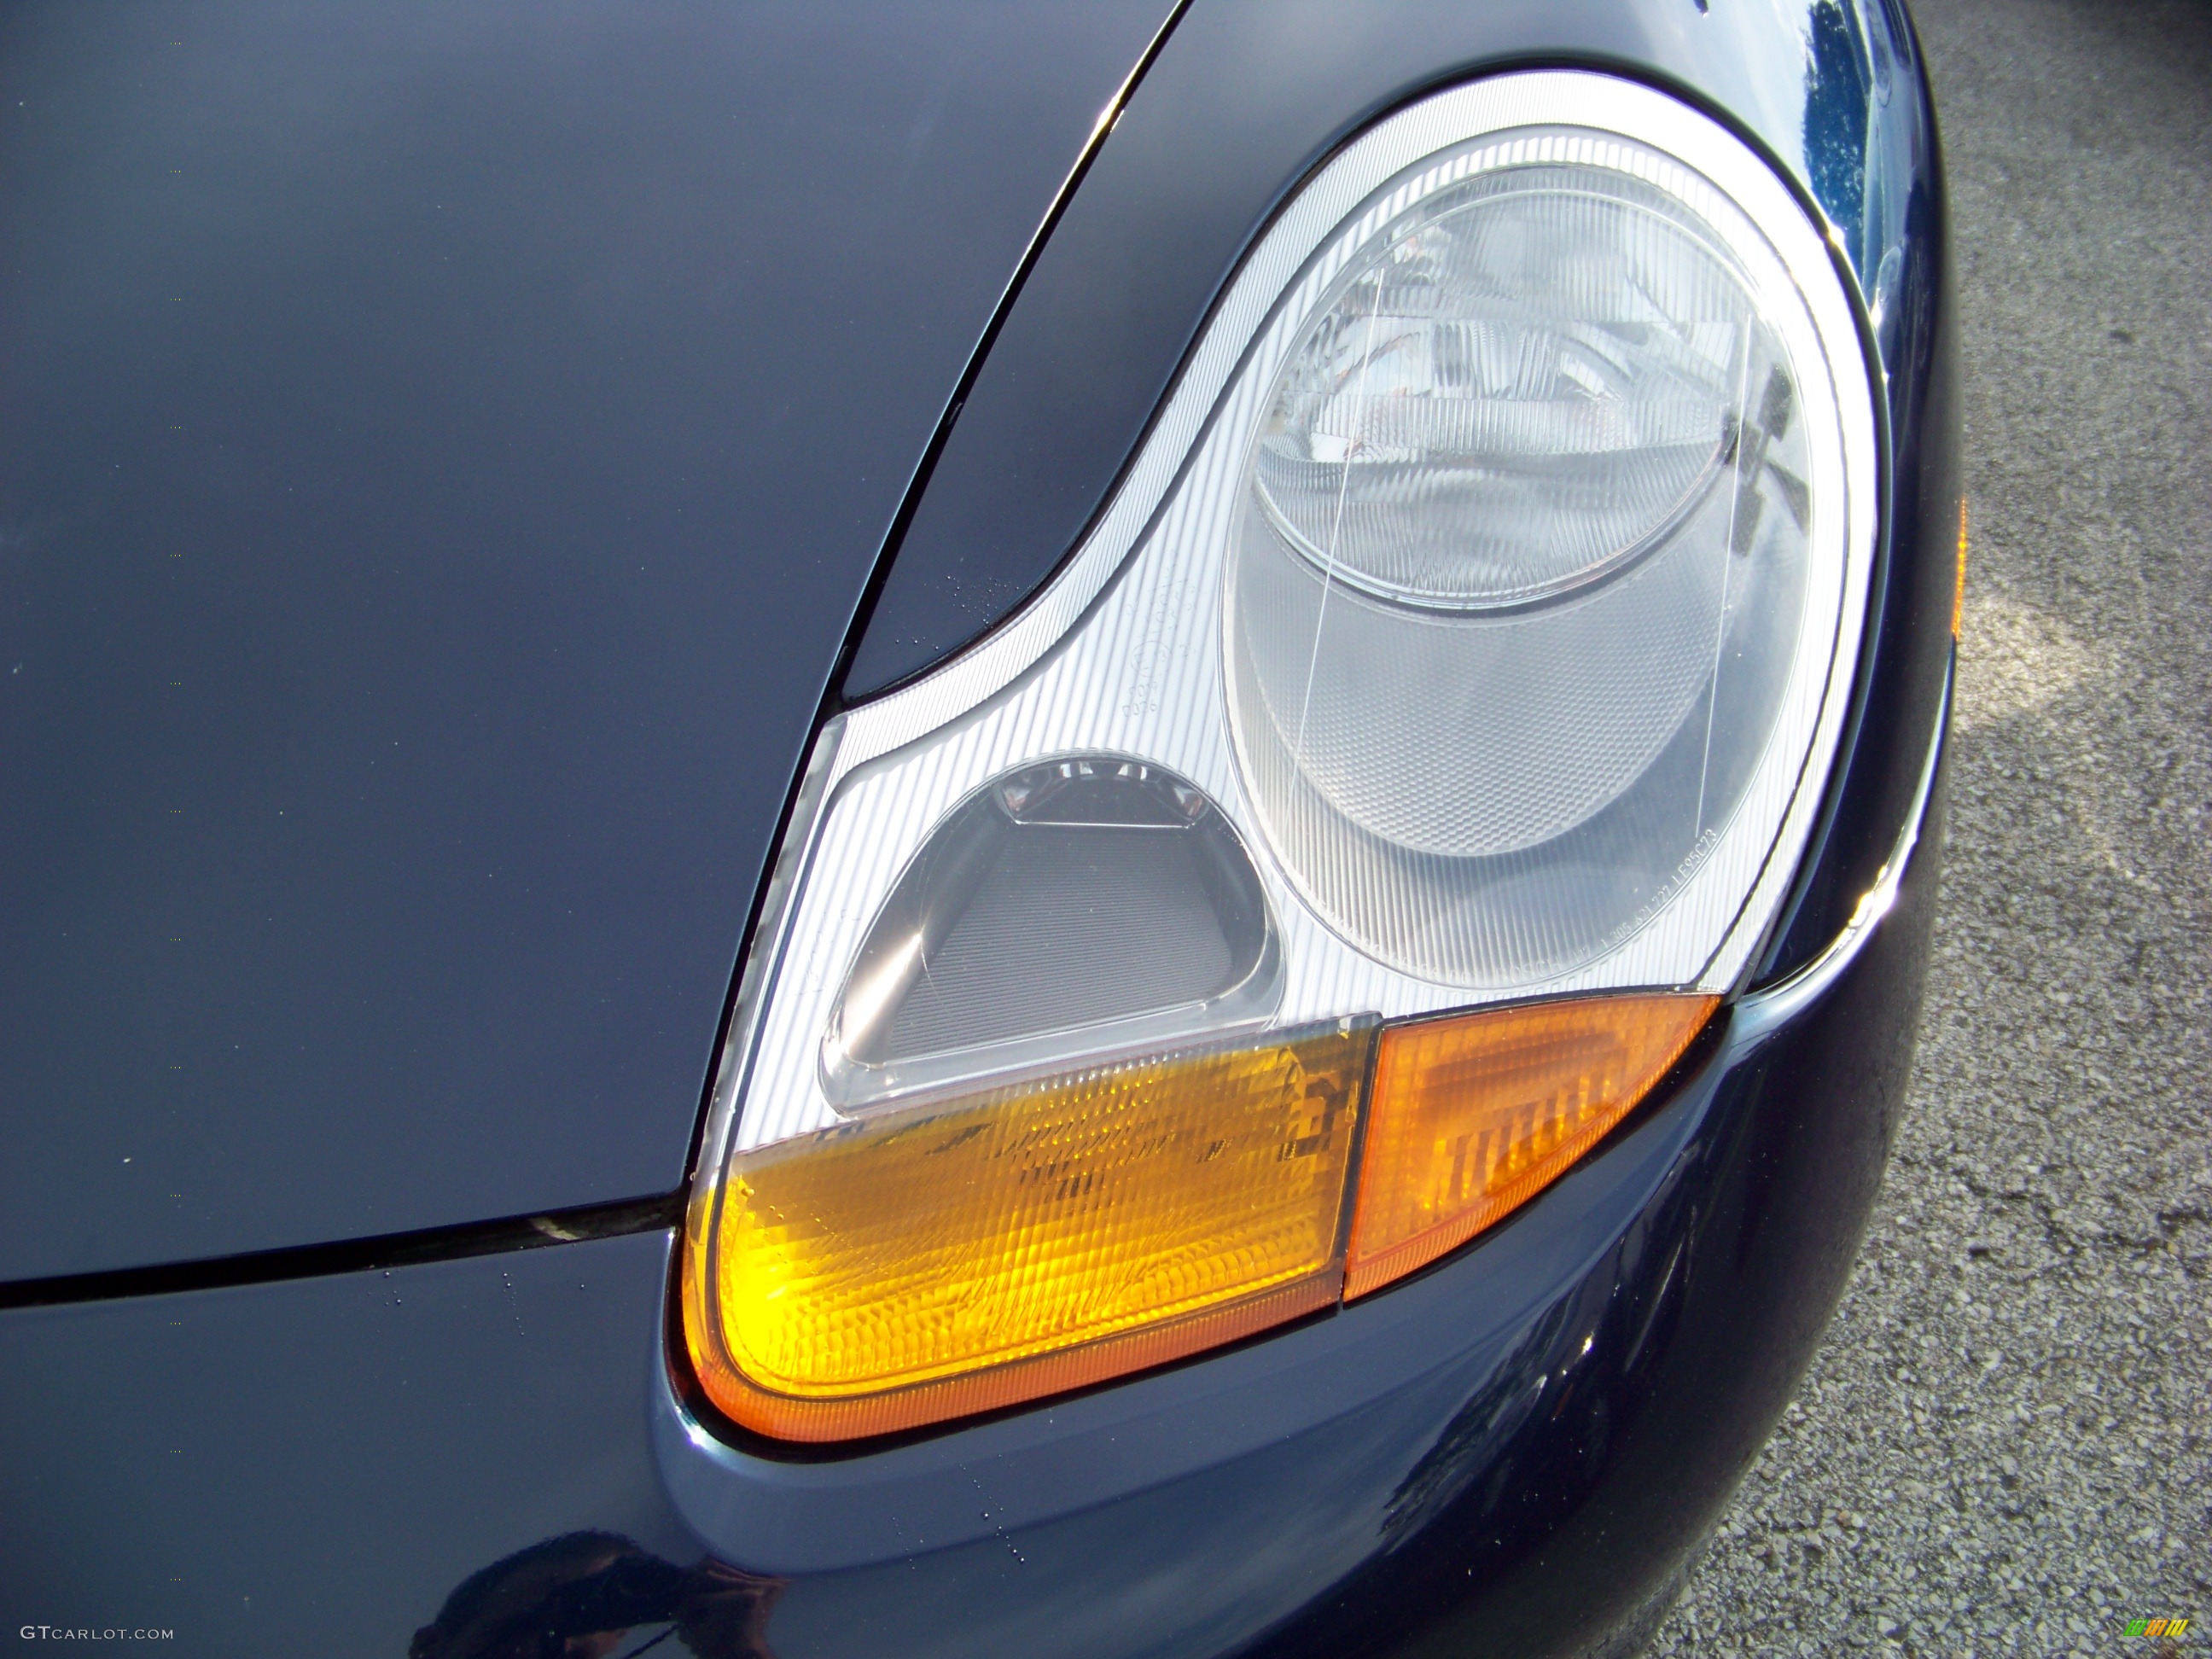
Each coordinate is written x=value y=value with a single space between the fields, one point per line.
x=1373 y=810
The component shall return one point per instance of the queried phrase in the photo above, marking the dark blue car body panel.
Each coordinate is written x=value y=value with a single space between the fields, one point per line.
x=441 y=450
x=1513 y=1452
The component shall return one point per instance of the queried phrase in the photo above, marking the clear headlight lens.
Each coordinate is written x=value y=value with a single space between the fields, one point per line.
x=1511 y=618
x=1371 y=812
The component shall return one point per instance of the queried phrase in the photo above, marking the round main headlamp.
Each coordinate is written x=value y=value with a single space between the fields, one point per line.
x=1372 y=812
x=1517 y=585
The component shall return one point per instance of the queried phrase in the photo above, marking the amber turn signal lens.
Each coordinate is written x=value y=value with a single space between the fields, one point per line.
x=1472 y=1114
x=1959 y=588
x=929 y=1263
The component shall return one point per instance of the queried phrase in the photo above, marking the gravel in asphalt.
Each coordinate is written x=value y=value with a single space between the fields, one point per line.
x=2004 y=1445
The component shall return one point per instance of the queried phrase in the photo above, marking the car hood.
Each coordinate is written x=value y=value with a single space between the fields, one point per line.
x=441 y=450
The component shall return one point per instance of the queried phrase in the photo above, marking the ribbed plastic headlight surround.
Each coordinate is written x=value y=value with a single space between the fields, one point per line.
x=1453 y=679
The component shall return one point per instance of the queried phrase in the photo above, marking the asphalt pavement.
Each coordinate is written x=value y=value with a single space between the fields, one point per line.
x=2003 y=1446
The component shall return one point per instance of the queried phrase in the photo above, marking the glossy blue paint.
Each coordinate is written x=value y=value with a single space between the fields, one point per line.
x=312 y=1467
x=440 y=451
x=1911 y=318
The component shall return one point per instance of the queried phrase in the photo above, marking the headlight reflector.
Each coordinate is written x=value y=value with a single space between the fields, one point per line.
x=1527 y=380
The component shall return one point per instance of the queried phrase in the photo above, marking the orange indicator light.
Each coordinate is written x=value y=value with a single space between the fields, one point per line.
x=1959 y=588
x=934 y=1261
x=1472 y=1114
x=937 y=1260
